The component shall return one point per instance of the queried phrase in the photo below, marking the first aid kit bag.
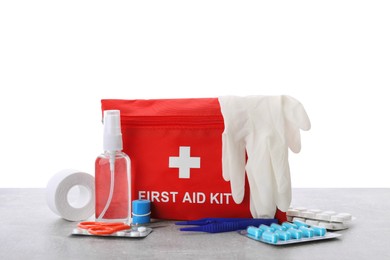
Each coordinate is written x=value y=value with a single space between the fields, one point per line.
x=176 y=150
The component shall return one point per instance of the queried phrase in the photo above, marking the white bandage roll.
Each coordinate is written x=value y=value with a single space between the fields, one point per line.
x=65 y=184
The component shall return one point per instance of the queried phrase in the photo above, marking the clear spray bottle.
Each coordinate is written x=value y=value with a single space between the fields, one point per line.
x=112 y=174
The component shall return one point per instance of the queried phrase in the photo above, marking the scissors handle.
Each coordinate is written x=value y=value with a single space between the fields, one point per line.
x=107 y=230
x=89 y=224
x=102 y=228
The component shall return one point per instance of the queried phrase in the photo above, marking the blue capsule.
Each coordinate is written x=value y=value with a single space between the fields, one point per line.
x=288 y=225
x=278 y=227
x=254 y=232
x=295 y=233
x=319 y=231
x=307 y=232
x=266 y=228
x=287 y=233
x=300 y=223
x=283 y=235
x=270 y=237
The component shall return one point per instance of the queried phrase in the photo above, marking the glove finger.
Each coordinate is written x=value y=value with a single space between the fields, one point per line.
x=262 y=205
x=233 y=147
x=295 y=118
x=254 y=197
x=283 y=196
x=233 y=166
x=293 y=137
x=252 y=207
x=295 y=113
x=281 y=170
x=261 y=214
x=261 y=181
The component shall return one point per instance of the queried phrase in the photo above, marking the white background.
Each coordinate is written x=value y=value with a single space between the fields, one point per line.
x=59 y=58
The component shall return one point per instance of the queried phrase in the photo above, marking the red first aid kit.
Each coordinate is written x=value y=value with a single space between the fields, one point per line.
x=175 y=146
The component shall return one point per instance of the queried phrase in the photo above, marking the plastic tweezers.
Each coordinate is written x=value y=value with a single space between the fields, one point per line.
x=218 y=225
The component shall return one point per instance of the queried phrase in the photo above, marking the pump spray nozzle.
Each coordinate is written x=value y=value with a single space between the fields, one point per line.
x=112 y=139
x=112 y=142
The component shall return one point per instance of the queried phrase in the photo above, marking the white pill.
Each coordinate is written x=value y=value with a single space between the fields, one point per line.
x=311 y=222
x=326 y=225
x=323 y=216
x=342 y=217
x=346 y=216
x=134 y=234
x=299 y=219
x=293 y=213
x=339 y=226
x=141 y=229
x=307 y=214
x=333 y=225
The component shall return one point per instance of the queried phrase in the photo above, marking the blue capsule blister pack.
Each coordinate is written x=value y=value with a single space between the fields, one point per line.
x=287 y=233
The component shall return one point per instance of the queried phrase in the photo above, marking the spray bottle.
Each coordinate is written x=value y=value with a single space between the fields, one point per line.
x=112 y=174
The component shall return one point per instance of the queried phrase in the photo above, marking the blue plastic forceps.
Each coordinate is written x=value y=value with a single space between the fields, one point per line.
x=218 y=225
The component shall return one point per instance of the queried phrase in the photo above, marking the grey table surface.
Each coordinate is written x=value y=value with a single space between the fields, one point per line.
x=29 y=230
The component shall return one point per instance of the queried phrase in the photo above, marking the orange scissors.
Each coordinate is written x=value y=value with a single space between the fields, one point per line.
x=102 y=228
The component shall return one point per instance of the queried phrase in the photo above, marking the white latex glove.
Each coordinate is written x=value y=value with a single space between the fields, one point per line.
x=233 y=144
x=263 y=126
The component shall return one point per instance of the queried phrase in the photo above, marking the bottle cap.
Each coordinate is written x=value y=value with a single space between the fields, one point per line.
x=112 y=137
x=141 y=211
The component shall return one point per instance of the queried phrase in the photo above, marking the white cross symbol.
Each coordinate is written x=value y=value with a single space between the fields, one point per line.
x=184 y=162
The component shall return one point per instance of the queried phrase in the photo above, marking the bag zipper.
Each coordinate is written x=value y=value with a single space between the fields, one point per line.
x=169 y=121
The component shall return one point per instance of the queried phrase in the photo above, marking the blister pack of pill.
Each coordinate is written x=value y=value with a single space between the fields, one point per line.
x=287 y=233
x=329 y=219
x=134 y=232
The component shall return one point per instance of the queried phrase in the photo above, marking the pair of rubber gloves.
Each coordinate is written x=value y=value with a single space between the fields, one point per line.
x=258 y=132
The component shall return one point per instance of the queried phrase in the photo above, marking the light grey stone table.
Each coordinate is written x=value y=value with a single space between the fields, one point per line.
x=29 y=230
